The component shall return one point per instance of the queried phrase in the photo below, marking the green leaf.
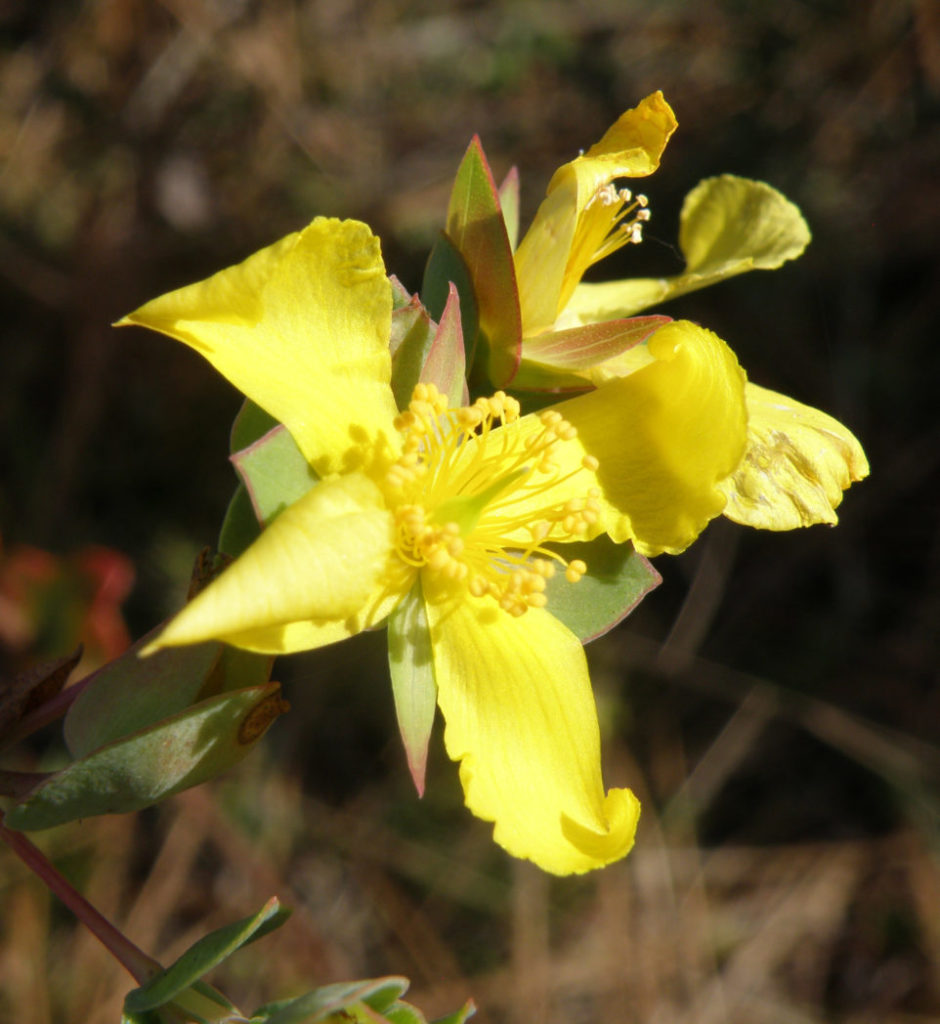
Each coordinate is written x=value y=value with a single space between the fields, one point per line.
x=201 y=957
x=400 y=294
x=251 y=423
x=446 y=364
x=459 y=1016
x=404 y=1013
x=240 y=526
x=378 y=994
x=413 y=685
x=411 y=341
x=445 y=267
x=274 y=472
x=131 y=693
x=138 y=770
x=476 y=227
x=616 y=581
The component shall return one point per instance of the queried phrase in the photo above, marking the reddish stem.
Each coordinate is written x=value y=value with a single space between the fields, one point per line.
x=140 y=966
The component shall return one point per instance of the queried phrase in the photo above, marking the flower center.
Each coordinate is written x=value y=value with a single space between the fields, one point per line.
x=475 y=495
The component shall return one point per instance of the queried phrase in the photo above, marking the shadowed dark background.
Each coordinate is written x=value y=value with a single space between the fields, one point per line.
x=775 y=702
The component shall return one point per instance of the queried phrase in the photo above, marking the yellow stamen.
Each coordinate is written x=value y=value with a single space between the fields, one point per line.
x=611 y=219
x=462 y=497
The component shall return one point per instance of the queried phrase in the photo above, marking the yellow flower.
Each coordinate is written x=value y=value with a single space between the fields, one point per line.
x=798 y=459
x=457 y=508
x=585 y=216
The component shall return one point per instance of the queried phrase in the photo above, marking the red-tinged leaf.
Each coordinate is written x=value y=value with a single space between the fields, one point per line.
x=476 y=227
x=446 y=364
x=509 y=201
x=579 y=348
x=400 y=294
x=556 y=360
x=274 y=472
x=617 y=580
x=412 y=338
x=250 y=423
x=405 y=317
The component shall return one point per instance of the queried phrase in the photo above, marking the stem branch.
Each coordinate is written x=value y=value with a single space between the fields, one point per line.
x=140 y=966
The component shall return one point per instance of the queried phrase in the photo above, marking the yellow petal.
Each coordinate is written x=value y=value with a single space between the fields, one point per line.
x=312 y=633
x=324 y=558
x=666 y=437
x=302 y=328
x=797 y=464
x=520 y=719
x=569 y=226
x=728 y=225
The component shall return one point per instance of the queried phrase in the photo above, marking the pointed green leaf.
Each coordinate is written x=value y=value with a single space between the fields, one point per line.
x=446 y=365
x=378 y=994
x=445 y=267
x=131 y=693
x=413 y=685
x=240 y=527
x=476 y=227
x=616 y=581
x=205 y=954
x=400 y=294
x=459 y=1016
x=509 y=203
x=138 y=770
x=412 y=337
x=404 y=1013
x=250 y=423
x=274 y=472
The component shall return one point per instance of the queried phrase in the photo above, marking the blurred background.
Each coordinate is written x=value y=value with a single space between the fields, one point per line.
x=774 y=704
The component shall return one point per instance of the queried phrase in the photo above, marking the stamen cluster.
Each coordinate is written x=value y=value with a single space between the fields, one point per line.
x=623 y=215
x=463 y=491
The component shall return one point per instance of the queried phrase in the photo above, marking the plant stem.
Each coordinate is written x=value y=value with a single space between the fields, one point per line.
x=140 y=966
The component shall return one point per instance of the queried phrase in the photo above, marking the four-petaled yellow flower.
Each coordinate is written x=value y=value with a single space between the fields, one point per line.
x=459 y=507
x=798 y=460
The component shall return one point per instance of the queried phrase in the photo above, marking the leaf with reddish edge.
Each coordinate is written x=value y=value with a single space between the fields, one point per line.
x=250 y=423
x=400 y=294
x=552 y=361
x=446 y=364
x=162 y=685
x=136 y=771
x=445 y=267
x=509 y=201
x=274 y=472
x=476 y=227
x=413 y=684
x=617 y=579
x=412 y=338
x=405 y=318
